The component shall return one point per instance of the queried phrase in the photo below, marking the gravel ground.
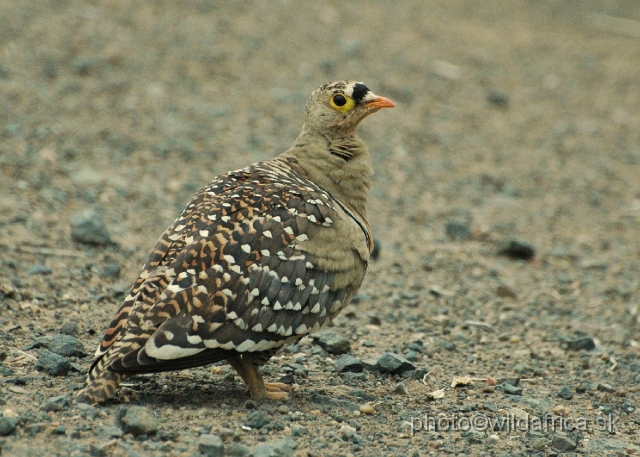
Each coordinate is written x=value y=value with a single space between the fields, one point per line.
x=506 y=206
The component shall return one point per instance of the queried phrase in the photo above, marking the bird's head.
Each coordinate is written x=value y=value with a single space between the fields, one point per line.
x=340 y=106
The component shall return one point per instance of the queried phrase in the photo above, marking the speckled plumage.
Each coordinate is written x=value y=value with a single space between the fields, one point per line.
x=260 y=257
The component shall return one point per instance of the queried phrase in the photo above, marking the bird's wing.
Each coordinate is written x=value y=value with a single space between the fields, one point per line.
x=239 y=271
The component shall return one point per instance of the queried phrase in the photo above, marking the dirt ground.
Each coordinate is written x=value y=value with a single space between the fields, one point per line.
x=515 y=121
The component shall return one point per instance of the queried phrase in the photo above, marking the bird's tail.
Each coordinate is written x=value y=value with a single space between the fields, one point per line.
x=101 y=384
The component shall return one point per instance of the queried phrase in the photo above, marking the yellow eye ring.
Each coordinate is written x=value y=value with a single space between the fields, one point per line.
x=342 y=102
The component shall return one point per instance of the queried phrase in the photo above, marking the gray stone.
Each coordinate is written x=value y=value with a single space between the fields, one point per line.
x=299 y=430
x=258 y=419
x=110 y=431
x=401 y=388
x=348 y=363
x=584 y=343
x=69 y=328
x=458 y=231
x=211 y=445
x=111 y=270
x=238 y=450
x=604 y=446
x=394 y=364
x=563 y=443
x=53 y=364
x=7 y=425
x=280 y=448
x=88 y=227
x=509 y=389
x=57 y=403
x=138 y=420
x=519 y=250
x=605 y=387
x=39 y=270
x=67 y=346
x=332 y=343
x=565 y=393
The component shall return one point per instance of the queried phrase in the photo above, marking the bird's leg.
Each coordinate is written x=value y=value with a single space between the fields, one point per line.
x=258 y=389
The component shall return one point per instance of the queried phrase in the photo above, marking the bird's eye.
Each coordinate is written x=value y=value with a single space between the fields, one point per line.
x=339 y=100
x=342 y=102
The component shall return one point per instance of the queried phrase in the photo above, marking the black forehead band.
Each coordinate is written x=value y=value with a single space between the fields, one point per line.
x=359 y=91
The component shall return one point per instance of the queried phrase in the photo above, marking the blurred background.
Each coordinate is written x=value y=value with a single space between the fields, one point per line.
x=521 y=114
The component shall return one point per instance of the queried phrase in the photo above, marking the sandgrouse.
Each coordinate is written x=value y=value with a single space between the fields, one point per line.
x=260 y=257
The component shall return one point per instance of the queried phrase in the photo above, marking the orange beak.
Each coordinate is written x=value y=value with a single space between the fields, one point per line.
x=381 y=102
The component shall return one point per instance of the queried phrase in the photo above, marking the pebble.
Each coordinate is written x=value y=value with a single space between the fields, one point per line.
x=59 y=403
x=605 y=387
x=39 y=270
x=565 y=393
x=53 y=364
x=257 y=419
x=333 y=343
x=348 y=363
x=280 y=448
x=498 y=97
x=7 y=425
x=138 y=420
x=88 y=227
x=458 y=231
x=69 y=328
x=238 y=450
x=299 y=430
x=583 y=343
x=377 y=248
x=509 y=389
x=366 y=408
x=519 y=250
x=67 y=346
x=394 y=364
x=111 y=270
x=563 y=443
x=211 y=446
x=401 y=388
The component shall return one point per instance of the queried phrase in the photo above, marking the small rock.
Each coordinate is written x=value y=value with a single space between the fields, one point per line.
x=257 y=419
x=138 y=420
x=583 y=343
x=498 y=97
x=59 y=430
x=519 y=250
x=458 y=231
x=39 y=270
x=67 y=346
x=211 y=445
x=394 y=364
x=69 y=328
x=88 y=227
x=111 y=270
x=57 y=403
x=401 y=388
x=565 y=393
x=605 y=387
x=366 y=408
x=332 y=343
x=563 y=443
x=7 y=425
x=509 y=389
x=280 y=448
x=377 y=248
x=53 y=364
x=348 y=363
x=238 y=450
x=299 y=430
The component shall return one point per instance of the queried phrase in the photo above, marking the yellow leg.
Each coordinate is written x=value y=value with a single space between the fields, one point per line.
x=258 y=389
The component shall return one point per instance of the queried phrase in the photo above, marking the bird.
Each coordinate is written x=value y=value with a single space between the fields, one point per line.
x=259 y=258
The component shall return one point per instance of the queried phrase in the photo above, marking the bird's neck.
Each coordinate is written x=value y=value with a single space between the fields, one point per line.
x=340 y=165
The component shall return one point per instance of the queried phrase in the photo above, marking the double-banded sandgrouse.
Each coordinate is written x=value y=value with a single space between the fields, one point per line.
x=260 y=257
